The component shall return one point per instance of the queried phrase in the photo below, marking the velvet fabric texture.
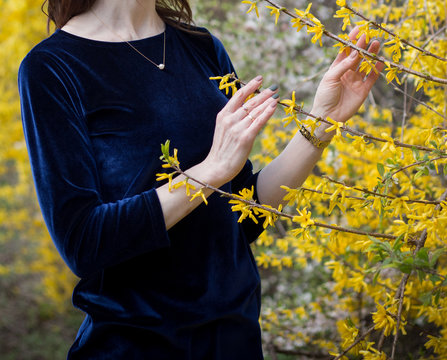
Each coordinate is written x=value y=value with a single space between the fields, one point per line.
x=94 y=115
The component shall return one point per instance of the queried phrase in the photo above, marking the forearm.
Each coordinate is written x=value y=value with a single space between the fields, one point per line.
x=291 y=168
x=175 y=203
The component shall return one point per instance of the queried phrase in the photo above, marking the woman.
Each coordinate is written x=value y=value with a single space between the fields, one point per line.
x=161 y=277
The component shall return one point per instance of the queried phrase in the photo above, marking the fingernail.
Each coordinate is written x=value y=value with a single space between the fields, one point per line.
x=258 y=78
x=353 y=54
x=275 y=96
x=273 y=87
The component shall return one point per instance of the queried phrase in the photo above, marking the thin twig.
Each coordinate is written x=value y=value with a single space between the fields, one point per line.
x=345 y=128
x=359 y=49
x=409 y=201
x=428 y=41
x=254 y=204
x=414 y=99
x=359 y=339
x=411 y=165
x=401 y=291
x=378 y=26
x=404 y=116
x=366 y=191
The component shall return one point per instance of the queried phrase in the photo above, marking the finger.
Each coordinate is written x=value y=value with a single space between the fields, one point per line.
x=373 y=76
x=259 y=99
x=262 y=118
x=256 y=112
x=353 y=38
x=241 y=95
x=374 y=47
x=349 y=63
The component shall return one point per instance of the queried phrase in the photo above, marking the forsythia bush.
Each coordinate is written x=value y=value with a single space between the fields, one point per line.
x=373 y=216
x=371 y=221
x=360 y=246
x=26 y=248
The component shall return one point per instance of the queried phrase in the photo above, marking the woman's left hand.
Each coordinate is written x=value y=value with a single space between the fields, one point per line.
x=343 y=88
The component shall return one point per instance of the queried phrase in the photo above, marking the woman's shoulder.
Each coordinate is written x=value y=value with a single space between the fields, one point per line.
x=205 y=39
x=43 y=53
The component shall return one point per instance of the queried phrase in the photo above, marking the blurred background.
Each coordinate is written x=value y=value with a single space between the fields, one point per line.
x=37 y=320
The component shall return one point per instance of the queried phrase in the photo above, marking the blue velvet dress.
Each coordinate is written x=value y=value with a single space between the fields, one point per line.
x=94 y=115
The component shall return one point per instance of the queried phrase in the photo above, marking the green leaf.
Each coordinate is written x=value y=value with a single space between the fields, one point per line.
x=398 y=243
x=426 y=298
x=434 y=144
x=435 y=256
x=375 y=278
x=434 y=279
x=380 y=169
x=421 y=275
x=406 y=266
x=416 y=154
x=165 y=150
x=423 y=255
x=418 y=174
x=437 y=295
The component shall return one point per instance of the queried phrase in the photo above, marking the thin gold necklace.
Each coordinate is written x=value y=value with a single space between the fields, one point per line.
x=160 y=66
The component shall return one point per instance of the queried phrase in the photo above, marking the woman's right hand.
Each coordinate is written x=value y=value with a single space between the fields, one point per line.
x=237 y=125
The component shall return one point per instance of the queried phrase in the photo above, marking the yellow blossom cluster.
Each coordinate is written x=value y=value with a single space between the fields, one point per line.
x=26 y=245
x=385 y=176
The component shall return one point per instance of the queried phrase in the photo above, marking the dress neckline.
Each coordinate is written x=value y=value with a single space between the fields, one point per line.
x=112 y=43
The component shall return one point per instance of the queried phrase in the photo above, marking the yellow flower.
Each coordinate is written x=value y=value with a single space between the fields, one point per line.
x=373 y=354
x=245 y=209
x=336 y=125
x=383 y=320
x=304 y=14
x=367 y=66
x=342 y=46
x=224 y=84
x=391 y=73
x=298 y=21
x=275 y=11
x=290 y=109
x=389 y=143
x=201 y=194
x=253 y=6
x=318 y=30
x=395 y=46
x=345 y=14
x=164 y=176
x=304 y=218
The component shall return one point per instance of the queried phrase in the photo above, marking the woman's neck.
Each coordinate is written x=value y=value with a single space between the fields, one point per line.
x=117 y=20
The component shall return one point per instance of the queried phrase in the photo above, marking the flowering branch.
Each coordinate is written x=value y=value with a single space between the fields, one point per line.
x=416 y=100
x=364 y=52
x=381 y=27
x=412 y=165
x=409 y=201
x=345 y=128
x=174 y=164
x=358 y=340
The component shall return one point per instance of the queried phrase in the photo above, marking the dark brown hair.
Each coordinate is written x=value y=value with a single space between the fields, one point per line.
x=175 y=12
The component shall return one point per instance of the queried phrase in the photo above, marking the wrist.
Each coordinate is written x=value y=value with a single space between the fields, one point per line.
x=320 y=131
x=321 y=134
x=209 y=174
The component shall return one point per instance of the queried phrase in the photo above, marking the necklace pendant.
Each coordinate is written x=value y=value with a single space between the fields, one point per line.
x=161 y=66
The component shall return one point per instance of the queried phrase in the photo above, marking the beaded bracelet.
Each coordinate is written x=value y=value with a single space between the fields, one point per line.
x=313 y=139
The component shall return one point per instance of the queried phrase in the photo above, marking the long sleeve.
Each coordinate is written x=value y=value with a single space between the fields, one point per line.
x=89 y=234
